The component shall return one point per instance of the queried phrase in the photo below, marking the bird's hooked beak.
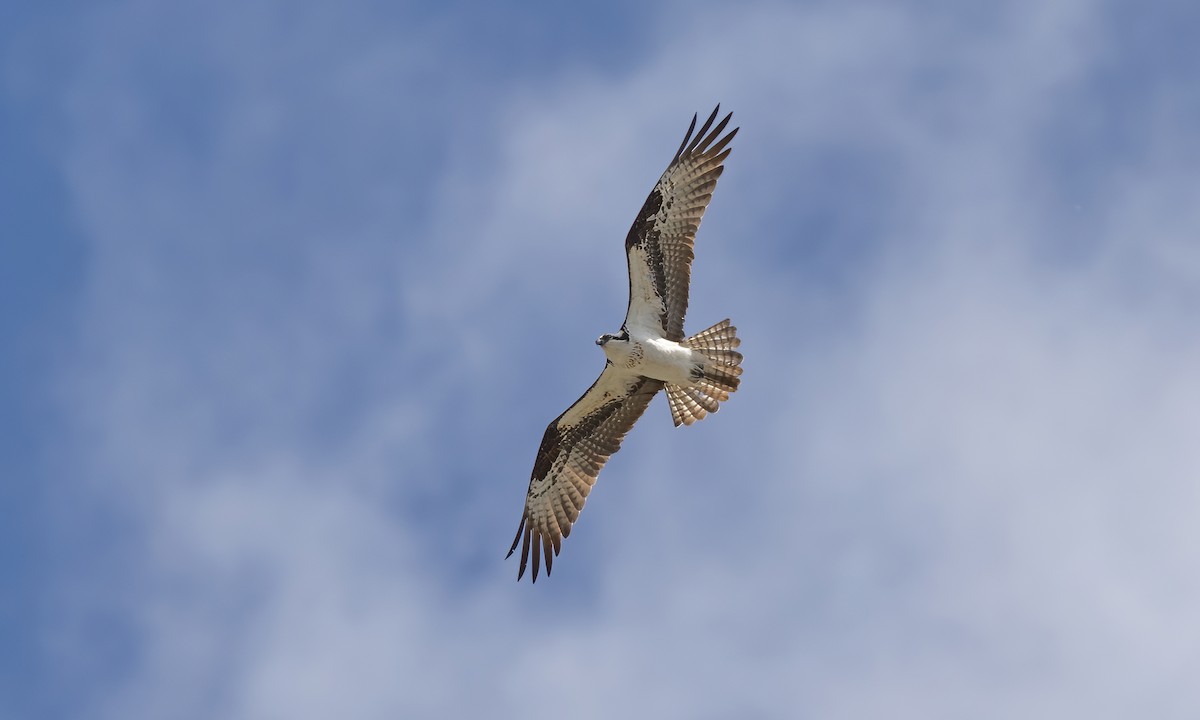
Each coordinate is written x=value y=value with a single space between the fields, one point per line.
x=603 y=339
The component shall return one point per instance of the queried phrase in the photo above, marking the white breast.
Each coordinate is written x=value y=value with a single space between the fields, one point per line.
x=665 y=360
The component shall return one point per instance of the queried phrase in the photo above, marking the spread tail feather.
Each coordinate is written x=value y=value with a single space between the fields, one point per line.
x=719 y=374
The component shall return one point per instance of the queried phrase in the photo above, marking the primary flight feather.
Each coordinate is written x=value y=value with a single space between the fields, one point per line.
x=649 y=352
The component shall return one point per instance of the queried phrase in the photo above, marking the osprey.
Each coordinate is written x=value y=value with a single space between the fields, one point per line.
x=649 y=352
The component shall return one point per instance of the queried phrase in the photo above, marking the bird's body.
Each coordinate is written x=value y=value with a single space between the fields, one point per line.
x=655 y=357
x=648 y=354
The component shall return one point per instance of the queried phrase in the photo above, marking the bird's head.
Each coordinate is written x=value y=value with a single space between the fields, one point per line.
x=604 y=339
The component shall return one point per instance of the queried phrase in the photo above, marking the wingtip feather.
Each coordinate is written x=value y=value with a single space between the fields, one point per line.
x=537 y=554
x=525 y=554
x=517 y=539
x=687 y=136
x=704 y=129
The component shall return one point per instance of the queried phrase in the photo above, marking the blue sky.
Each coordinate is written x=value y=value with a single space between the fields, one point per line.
x=290 y=292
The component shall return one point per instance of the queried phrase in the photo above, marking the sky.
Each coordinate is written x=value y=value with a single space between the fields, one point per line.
x=289 y=291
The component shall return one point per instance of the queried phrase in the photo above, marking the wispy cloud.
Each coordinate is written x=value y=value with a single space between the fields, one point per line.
x=331 y=308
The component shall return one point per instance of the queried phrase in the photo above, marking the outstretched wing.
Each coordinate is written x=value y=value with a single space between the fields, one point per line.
x=575 y=447
x=659 y=245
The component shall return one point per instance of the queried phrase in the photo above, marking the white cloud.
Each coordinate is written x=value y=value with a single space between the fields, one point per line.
x=959 y=483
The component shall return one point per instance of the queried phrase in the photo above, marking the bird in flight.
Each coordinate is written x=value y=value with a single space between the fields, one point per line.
x=647 y=354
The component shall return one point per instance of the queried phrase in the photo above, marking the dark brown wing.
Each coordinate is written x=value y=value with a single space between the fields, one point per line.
x=660 y=243
x=574 y=449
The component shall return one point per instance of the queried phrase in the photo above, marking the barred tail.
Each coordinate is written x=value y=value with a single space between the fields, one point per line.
x=719 y=374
